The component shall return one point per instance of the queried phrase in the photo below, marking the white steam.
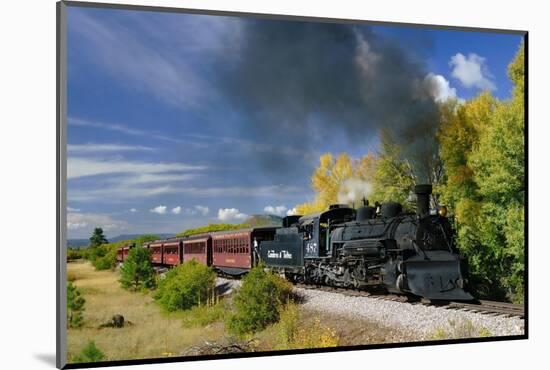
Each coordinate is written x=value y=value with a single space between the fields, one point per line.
x=352 y=191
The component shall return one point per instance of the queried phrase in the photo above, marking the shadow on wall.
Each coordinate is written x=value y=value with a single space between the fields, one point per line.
x=47 y=358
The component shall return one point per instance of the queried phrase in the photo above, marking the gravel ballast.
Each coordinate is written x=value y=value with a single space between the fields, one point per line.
x=422 y=320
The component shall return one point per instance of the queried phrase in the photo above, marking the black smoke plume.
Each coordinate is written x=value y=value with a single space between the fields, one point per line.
x=304 y=82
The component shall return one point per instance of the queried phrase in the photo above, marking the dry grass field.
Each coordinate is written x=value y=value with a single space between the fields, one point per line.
x=152 y=334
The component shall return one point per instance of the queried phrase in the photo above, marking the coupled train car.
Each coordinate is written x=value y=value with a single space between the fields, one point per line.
x=122 y=252
x=232 y=252
x=403 y=252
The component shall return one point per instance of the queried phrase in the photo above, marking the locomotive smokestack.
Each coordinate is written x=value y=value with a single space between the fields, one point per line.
x=423 y=193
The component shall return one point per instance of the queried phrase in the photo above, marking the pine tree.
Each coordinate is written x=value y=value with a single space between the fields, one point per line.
x=137 y=271
x=97 y=238
x=90 y=353
x=75 y=306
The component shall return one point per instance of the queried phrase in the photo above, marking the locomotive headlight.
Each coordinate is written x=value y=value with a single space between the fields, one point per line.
x=442 y=211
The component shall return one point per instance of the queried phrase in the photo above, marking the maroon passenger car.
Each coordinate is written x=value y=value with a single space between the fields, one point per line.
x=172 y=254
x=122 y=252
x=198 y=247
x=156 y=251
x=233 y=251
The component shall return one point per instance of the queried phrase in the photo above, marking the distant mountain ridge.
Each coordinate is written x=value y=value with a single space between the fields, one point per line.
x=264 y=220
x=81 y=243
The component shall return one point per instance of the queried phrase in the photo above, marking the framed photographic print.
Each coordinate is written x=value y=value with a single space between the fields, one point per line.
x=235 y=184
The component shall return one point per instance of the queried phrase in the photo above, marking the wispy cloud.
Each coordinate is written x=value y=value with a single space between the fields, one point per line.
x=125 y=129
x=85 y=222
x=243 y=191
x=116 y=193
x=197 y=140
x=158 y=209
x=116 y=179
x=137 y=61
x=176 y=210
x=81 y=167
x=105 y=148
x=151 y=178
x=203 y=210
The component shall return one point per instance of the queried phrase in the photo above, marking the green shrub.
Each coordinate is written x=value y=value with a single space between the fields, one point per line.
x=108 y=261
x=258 y=302
x=96 y=252
x=187 y=285
x=137 y=271
x=90 y=353
x=73 y=254
x=75 y=306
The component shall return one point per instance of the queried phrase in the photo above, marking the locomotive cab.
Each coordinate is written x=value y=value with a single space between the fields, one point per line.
x=317 y=227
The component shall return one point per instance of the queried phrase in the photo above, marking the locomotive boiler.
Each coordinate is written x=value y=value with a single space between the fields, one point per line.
x=403 y=252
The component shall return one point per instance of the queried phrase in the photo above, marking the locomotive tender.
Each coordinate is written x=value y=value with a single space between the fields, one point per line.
x=403 y=252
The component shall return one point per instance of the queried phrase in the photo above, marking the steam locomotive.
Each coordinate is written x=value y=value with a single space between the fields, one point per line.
x=404 y=252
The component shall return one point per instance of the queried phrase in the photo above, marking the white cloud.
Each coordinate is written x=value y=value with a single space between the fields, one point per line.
x=231 y=214
x=176 y=210
x=158 y=209
x=291 y=212
x=81 y=167
x=81 y=221
x=102 y=148
x=133 y=210
x=276 y=210
x=69 y=209
x=472 y=71
x=439 y=87
x=203 y=210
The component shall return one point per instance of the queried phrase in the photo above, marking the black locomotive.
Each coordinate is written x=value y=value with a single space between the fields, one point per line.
x=403 y=252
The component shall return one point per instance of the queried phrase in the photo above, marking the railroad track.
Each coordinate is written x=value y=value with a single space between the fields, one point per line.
x=479 y=306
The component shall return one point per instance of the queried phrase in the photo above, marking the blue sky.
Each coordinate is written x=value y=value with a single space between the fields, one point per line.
x=179 y=120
